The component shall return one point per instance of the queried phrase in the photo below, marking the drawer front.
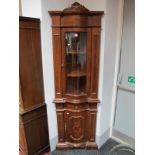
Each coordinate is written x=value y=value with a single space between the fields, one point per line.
x=82 y=106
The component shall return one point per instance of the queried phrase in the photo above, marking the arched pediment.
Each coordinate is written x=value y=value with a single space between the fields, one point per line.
x=76 y=8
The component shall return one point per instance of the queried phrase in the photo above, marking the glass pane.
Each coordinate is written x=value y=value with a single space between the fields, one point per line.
x=75 y=45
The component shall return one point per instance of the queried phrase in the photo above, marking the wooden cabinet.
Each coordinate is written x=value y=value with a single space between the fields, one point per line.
x=33 y=129
x=76 y=45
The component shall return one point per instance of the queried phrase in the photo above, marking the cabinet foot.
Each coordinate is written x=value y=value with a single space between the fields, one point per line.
x=91 y=145
x=69 y=145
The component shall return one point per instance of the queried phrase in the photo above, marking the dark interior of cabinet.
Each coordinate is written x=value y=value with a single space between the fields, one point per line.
x=75 y=50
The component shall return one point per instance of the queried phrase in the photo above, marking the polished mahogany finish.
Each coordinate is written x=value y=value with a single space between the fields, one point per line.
x=33 y=129
x=76 y=46
x=30 y=68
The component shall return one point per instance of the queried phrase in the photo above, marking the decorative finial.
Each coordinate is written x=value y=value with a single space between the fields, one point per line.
x=76 y=7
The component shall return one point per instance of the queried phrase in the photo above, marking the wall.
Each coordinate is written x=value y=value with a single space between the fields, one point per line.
x=125 y=113
x=124 y=122
x=20 y=8
x=108 y=58
x=31 y=8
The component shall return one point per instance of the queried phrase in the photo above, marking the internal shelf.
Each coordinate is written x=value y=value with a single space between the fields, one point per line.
x=76 y=53
x=76 y=73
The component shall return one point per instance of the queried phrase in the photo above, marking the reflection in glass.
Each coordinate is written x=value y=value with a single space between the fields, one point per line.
x=75 y=46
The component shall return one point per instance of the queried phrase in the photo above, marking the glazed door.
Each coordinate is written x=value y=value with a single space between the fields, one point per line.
x=76 y=53
x=76 y=126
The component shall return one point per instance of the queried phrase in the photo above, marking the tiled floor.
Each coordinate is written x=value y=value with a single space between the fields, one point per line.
x=104 y=150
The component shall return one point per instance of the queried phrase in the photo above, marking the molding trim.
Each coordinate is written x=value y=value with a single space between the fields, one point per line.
x=33 y=119
x=23 y=111
x=29 y=19
x=76 y=101
x=123 y=138
x=101 y=139
x=83 y=145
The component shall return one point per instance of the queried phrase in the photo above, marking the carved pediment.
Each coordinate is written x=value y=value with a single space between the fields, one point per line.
x=76 y=8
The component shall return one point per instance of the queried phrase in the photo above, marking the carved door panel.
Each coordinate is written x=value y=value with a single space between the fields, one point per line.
x=77 y=126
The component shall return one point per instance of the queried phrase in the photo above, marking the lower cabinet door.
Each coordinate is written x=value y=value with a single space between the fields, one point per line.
x=77 y=126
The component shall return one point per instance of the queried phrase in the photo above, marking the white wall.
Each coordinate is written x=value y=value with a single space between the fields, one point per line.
x=125 y=103
x=125 y=113
x=110 y=58
x=20 y=8
x=31 y=8
x=48 y=70
x=107 y=58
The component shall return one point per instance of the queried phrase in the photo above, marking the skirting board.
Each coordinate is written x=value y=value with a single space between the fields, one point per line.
x=53 y=143
x=122 y=138
x=103 y=138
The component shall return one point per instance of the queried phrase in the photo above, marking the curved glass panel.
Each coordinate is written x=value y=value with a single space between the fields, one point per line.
x=76 y=48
